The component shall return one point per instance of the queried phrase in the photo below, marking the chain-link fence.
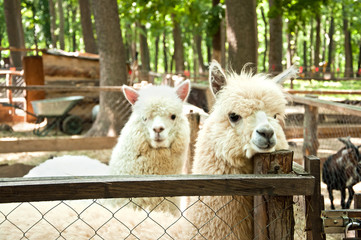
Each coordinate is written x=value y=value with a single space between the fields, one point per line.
x=198 y=217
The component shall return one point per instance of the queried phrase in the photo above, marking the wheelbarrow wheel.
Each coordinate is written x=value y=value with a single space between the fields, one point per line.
x=72 y=125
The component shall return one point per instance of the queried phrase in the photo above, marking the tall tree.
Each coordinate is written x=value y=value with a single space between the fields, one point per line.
x=318 y=41
x=15 y=31
x=275 y=42
x=87 y=27
x=144 y=50
x=198 y=43
x=114 y=109
x=347 y=43
x=241 y=33
x=265 y=22
x=61 y=25
x=330 y=45
x=216 y=39
x=305 y=49
x=178 y=45
x=165 y=56
x=52 y=11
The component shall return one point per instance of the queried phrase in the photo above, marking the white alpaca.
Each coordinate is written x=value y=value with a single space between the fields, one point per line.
x=245 y=120
x=68 y=165
x=155 y=139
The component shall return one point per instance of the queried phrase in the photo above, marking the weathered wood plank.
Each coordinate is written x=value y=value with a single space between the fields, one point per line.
x=313 y=202
x=71 y=188
x=310 y=123
x=324 y=92
x=273 y=215
x=56 y=144
x=329 y=131
x=65 y=88
x=339 y=107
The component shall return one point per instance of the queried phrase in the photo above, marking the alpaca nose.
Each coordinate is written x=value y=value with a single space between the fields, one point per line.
x=265 y=132
x=158 y=129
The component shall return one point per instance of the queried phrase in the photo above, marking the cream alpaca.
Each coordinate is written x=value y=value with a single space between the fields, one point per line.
x=245 y=120
x=155 y=139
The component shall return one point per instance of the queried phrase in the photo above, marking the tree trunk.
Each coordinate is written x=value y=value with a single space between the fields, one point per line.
x=15 y=32
x=209 y=54
x=348 y=46
x=54 y=39
x=324 y=47
x=305 y=50
x=265 y=39
x=144 y=50
x=156 y=54
x=196 y=67
x=178 y=46
x=318 y=41
x=216 y=39
x=330 y=45
x=223 y=43
x=61 y=24
x=73 y=22
x=289 y=55
x=165 y=52
x=87 y=27
x=134 y=43
x=359 y=61
x=310 y=60
x=241 y=33
x=128 y=41
x=275 y=43
x=198 y=42
x=114 y=109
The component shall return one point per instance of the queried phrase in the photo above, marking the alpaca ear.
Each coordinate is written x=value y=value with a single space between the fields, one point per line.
x=130 y=94
x=183 y=90
x=285 y=75
x=217 y=78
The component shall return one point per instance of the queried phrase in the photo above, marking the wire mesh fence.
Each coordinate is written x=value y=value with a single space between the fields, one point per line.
x=95 y=219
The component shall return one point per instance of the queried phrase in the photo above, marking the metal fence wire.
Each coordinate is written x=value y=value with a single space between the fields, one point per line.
x=96 y=219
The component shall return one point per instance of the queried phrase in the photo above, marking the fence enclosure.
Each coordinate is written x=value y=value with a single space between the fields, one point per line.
x=276 y=222
x=271 y=187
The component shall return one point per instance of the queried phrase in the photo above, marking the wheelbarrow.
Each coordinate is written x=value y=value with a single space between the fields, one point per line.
x=56 y=111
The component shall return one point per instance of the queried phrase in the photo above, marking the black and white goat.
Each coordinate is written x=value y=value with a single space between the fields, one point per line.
x=342 y=170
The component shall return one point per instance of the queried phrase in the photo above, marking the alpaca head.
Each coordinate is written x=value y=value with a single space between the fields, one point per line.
x=250 y=109
x=158 y=110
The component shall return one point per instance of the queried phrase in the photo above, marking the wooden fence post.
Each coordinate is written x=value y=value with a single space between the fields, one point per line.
x=33 y=75
x=194 y=119
x=310 y=140
x=273 y=215
x=313 y=203
x=357 y=205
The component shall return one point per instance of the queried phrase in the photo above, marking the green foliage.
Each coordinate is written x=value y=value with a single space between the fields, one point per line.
x=197 y=17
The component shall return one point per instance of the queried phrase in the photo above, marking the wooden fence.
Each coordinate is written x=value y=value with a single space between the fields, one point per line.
x=276 y=187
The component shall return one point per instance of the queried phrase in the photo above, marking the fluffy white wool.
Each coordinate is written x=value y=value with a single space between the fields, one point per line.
x=136 y=153
x=68 y=165
x=223 y=147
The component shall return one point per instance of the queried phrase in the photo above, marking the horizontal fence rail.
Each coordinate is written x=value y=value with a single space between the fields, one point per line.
x=338 y=107
x=9 y=145
x=72 y=188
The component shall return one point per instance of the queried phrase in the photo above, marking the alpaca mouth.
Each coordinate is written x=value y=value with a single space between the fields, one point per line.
x=264 y=146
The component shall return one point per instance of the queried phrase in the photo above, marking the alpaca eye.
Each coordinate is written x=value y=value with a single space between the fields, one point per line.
x=233 y=117
x=275 y=116
x=144 y=119
x=173 y=116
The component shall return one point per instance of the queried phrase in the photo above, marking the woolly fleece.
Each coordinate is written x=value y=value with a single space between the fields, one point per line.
x=221 y=149
x=134 y=154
